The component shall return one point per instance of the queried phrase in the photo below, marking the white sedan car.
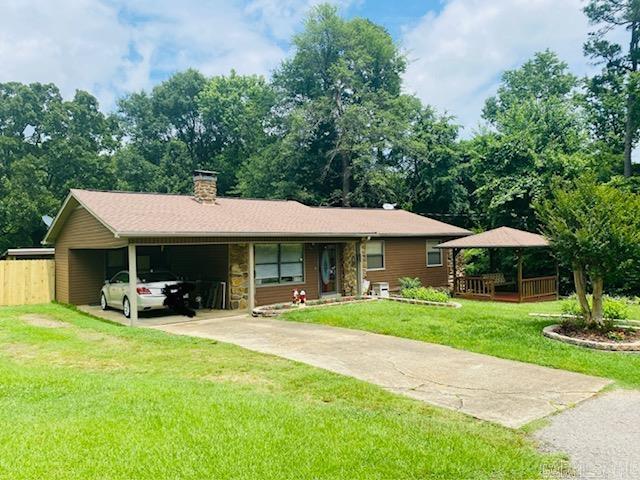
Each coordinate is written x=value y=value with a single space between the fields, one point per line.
x=115 y=293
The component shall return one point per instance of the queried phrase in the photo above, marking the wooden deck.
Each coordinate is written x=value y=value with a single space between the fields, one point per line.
x=509 y=297
x=538 y=289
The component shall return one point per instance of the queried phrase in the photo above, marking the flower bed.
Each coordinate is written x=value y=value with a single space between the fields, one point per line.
x=629 y=338
x=415 y=301
x=280 y=308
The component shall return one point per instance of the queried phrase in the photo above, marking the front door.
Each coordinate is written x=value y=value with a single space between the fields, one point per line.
x=328 y=269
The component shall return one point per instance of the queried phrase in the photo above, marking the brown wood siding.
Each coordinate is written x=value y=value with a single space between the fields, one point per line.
x=407 y=257
x=282 y=293
x=80 y=230
x=62 y=274
x=86 y=276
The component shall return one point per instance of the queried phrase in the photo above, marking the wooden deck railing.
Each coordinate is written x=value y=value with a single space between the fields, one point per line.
x=539 y=287
x=474 y=287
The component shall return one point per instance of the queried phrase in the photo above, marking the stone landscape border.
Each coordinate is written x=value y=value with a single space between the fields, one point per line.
x=414 y=301
x=277 y=309
x=550 y=332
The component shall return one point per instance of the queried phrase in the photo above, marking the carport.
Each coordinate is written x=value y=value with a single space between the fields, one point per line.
x=89 y=252
x=206 y=266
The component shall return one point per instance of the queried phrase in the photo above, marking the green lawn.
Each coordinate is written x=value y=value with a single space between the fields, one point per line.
x=80 y=398
x=499 y=329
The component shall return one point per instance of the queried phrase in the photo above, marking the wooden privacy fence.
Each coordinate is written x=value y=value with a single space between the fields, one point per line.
x=27 y=282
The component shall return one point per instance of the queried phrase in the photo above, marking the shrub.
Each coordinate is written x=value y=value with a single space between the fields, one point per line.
x=408 y=282
x=616 y=308
x=613 y=308
x=428 y=294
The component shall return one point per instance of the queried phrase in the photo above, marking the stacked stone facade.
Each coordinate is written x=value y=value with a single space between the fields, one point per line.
x=239 y=276
x=459 y=266
x=349 y=269
x=205 y=187
x=363 y=259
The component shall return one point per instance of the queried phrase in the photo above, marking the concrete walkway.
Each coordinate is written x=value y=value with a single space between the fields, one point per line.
x=502 y=391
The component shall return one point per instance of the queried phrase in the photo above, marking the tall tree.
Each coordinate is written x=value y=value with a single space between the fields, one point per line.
x=48 y=145
x=190 y=121
x=620 y=73
x=238 y=109
x=536 y=135
x=341 y=79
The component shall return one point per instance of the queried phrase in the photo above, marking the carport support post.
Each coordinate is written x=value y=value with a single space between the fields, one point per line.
x=133 y=284
x=252 y=281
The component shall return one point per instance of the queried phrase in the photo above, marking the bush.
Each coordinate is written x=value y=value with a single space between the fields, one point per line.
x=617 y=308
x=614 y=308
x=408 y=282
x=428 y=294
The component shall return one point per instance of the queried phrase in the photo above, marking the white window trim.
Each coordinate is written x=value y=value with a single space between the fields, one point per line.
x=430 y=265
x=384 y=258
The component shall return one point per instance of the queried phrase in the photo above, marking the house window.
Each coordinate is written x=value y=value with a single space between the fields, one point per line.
x=434 y=255
x=375 y=255
x=279 y=263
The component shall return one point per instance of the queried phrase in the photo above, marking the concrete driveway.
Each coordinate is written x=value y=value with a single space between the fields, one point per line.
x=503 y=391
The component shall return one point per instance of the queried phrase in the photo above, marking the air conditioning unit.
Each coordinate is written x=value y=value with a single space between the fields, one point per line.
x=380 y=289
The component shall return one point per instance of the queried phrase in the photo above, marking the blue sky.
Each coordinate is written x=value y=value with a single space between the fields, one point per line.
x=457 y=49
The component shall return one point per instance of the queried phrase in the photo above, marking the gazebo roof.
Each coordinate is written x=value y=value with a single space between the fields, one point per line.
x=502 y=237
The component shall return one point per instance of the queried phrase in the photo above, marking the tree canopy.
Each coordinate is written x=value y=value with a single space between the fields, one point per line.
x=333 y=125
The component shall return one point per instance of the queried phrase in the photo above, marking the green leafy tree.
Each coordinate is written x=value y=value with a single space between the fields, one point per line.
x=48 y=145
x=338 y=86
x=238 y=109
x=536 y=134
x=615 y=93
x=589 y=227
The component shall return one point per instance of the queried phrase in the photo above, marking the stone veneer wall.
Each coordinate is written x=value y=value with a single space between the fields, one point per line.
x=459 y=266
x=239 y=276
x=349 y=269
x=363 y=261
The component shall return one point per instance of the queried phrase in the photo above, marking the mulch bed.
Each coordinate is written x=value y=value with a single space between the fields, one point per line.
x=617 y=335
x=618 y=339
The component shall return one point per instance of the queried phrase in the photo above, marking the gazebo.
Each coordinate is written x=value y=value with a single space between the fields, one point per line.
x=484 y=286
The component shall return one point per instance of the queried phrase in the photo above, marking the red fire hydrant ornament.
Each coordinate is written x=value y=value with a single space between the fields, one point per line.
x=303 y=297
x=295 y=297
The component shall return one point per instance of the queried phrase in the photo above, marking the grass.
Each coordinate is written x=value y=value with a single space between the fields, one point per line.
x=499 y=329
x=80 y=398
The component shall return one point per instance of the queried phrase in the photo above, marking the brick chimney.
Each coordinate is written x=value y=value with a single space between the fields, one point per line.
x=205 y=186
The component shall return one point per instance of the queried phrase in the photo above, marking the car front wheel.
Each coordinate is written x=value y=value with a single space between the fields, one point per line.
x=126 y=308
x=103 y=302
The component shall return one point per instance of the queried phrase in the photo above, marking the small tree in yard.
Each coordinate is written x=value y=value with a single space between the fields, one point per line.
x=596 y=228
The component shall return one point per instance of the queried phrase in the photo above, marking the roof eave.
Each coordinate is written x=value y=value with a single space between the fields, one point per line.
x=147 y=234
x=453 y=245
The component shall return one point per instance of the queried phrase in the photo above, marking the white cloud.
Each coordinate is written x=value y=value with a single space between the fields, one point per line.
x=282 y=18
x=110 y=47
x=456 y=56
x=116 y=46
x=73 y=44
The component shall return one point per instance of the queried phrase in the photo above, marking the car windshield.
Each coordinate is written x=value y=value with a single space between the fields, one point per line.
x=151 y=277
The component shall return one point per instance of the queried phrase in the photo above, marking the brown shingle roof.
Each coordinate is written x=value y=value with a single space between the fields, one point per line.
x=502 y=237
x=147 y=214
